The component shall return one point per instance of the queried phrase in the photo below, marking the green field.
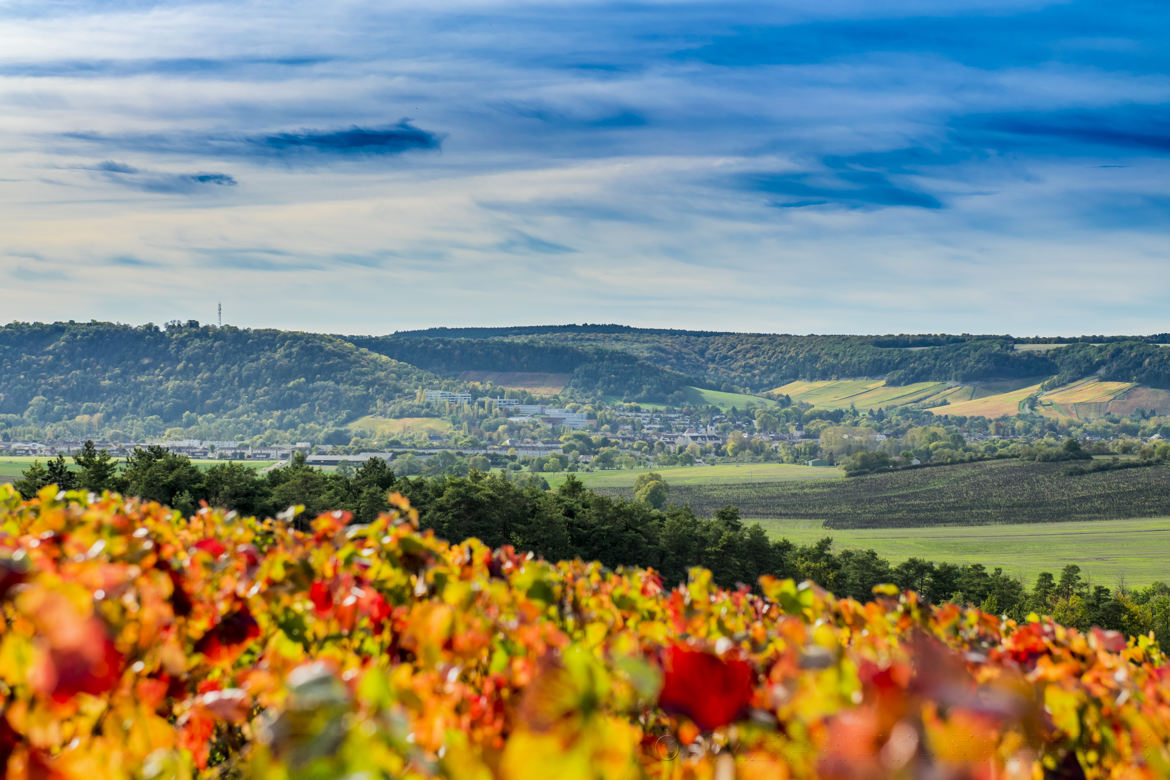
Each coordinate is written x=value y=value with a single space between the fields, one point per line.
x=1046 y=347
x=869 y=393
x=714 y=475
x=12 y=466
x=393 y=426
x=1108 y=551
x=727 y=401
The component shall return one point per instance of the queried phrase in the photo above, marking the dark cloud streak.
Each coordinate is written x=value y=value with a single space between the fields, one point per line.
x=303 y=146
x=390 y=139
x=1130 y=128
x=851 y=189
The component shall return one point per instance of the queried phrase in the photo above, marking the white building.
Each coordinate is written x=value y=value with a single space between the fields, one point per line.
x=451 y=398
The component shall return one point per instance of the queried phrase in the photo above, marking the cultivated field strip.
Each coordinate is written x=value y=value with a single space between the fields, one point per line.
x=1001 y=491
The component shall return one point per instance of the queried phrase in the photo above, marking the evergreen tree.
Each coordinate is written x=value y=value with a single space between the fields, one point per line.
x=32 y=480
x=99 y=469
x=60 y=475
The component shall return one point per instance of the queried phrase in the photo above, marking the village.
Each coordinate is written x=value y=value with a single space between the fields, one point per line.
x=540 y=430
x=515 y=433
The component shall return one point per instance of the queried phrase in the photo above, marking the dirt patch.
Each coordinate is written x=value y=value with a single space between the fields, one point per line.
x=1140 y=398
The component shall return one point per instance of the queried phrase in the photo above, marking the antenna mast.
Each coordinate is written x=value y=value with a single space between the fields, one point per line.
x=219 y=313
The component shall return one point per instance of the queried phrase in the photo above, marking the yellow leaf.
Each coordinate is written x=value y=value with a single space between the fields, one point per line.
x=1064 y=708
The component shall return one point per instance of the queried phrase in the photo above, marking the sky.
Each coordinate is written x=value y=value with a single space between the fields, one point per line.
x=366 y=166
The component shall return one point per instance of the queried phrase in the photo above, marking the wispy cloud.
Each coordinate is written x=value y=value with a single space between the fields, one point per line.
x=158 y=182
x=523 y=242
x=845 y=188
x=130 y=261
x=255 y=67
x=850 y=165
x=255 y=259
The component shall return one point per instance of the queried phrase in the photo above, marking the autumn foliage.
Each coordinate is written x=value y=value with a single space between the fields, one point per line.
x=140 y=644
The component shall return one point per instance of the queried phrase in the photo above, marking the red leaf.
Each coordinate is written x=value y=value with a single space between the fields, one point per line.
x=250 y=555
x=1028 y=643
x=229 y=635
x=651 y=584
x=151 y=691
x=321 y=598
x=374 y=605
x=180 y=602
x=709 y=690
x=13 y=572
x=195 y=736
x=9 y=739
x=79 y=655
x=213 y=547
x=1111 y=641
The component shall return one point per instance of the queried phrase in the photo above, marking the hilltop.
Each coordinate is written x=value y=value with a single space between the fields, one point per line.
x=755 y=362
x=141 y=381
x=88 y=378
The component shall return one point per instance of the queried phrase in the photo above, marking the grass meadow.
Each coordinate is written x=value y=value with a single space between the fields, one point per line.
x=394 y=426
x=1136 y=551
x=727 y=401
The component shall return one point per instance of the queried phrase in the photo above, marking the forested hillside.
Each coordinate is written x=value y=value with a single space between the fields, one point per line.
x=143 y=380
x=595 y=371
x=83 y=379
x=758 y=362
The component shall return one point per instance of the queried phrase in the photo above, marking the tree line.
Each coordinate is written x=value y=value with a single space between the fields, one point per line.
x=594 y=371
x=757 y=362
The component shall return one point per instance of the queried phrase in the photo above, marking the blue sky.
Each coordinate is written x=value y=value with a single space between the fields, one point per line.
x=359 y=166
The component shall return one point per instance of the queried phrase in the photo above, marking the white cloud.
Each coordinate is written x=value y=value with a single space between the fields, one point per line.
x=541 y=143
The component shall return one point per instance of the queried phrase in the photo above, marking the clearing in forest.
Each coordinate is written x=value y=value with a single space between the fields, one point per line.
x=535 y=382
x=727 y=401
